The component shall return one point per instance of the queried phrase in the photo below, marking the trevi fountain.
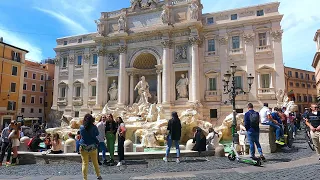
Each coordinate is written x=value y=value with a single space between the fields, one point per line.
x=146 y=123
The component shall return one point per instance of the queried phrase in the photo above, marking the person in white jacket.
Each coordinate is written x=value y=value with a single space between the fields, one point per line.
x=101 y=137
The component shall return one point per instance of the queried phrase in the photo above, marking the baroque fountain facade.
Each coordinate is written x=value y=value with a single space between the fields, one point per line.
x=159 y=56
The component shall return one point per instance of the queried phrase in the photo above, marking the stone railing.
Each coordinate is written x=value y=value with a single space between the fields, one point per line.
x=266 y=91
x=78 y=66
x=212 y=96
x=236 y=51
x=92 y=100
x=262 y=48
x=174 y=2
x=210 y=53
x=64 y=68
x=77 y=101
x=113 y=14
x=62 y=101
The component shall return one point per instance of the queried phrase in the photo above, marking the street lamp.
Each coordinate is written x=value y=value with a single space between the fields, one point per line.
x=233 y=91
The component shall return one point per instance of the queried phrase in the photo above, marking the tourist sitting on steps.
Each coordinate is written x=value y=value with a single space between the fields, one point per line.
x=56 y=144
x=266 y=119
x=200 y=141
x=34 y=144
x=210 y=137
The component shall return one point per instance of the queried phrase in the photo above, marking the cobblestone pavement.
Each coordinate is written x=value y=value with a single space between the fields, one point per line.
x=215 y=168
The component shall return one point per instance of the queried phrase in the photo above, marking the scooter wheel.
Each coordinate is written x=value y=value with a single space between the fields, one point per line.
x=231 y=157
x=258 y=163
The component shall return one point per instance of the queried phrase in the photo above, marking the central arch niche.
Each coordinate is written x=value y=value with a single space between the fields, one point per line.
x=145 y=61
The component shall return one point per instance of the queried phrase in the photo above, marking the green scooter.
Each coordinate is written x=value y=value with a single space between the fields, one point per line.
x=233 y=155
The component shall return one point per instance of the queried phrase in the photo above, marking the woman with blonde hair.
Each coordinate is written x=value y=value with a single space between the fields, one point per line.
x=14 y=137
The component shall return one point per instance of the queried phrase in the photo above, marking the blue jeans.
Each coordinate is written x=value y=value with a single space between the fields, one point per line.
x=103 y=148
x=77 y=146
x=169 y=144
x=279 y=130
x=253 y=138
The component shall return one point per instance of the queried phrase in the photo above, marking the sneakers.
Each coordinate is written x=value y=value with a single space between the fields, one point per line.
x=119 y=164
x=177 y=160
x=255 y=158
x=279 y=142
x=165 y=159
x=99 y=163
x=105 y=162
x=263 y=158
x=99 y=177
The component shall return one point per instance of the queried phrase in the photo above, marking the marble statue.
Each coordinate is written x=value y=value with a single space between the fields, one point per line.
x=182 y=87
x=143 y=91
x=181 y=54
x=161 y=113
x=100 y=26
x=194 y=11
x=279 y=96
x=134 y=3
x=165 y=15
x=152 y=114
x=113 y=91
x=121 y=23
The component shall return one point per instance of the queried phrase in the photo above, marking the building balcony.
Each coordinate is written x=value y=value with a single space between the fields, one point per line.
x=210 y=53
x=266 y=93
x=77 y=101
x=92 y=100
x=212 y=96
x=62 y=101
x=236 y=51
x=64 y=68
x=78 y=66
x=263 y=48
x=242 y=97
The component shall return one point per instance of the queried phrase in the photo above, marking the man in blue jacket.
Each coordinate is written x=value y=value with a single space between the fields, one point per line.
x=251 y=123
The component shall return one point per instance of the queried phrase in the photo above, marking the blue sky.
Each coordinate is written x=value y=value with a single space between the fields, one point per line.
x=36 y=24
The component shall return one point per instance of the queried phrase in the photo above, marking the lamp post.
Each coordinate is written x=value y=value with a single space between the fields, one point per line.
x=233 y=91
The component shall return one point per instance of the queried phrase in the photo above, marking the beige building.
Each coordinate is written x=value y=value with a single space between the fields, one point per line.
x=182 y=52
x=315 y=63
x=301 y=85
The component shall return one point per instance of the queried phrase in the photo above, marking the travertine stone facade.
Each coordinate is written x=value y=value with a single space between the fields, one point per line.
x=315 y=63
x=162 y=40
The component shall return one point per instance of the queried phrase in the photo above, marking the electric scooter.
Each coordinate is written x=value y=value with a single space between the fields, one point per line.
x=234 y=155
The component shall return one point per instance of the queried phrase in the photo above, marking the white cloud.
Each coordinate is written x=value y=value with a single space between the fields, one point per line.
x=72 y=25
x=35 y=53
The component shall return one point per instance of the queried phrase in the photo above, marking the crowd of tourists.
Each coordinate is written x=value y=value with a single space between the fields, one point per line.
x=91 y=139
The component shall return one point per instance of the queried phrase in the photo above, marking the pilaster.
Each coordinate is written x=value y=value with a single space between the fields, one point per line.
x=56 y=82
x=69 y=108
x=278 y=58
x=86 y=80
x=194 y=96
x=248 y=38
x=223 y=57
x=100 y=76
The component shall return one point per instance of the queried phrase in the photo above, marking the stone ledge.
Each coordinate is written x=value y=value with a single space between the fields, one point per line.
x=40 y=158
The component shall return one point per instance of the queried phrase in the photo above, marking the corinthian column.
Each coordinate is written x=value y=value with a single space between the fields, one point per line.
x=131 y=91
x=195 y=84
x=159 y=87
x=56 y=82
x=122 y=75
x=166 y=71
x=100 y=76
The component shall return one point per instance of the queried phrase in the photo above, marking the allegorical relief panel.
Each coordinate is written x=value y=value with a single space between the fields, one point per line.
x=181 y=53
x=144 y=20
x=112 y=60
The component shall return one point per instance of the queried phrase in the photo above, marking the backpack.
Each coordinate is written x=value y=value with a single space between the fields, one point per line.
x=30 y=142
x=254 y=120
